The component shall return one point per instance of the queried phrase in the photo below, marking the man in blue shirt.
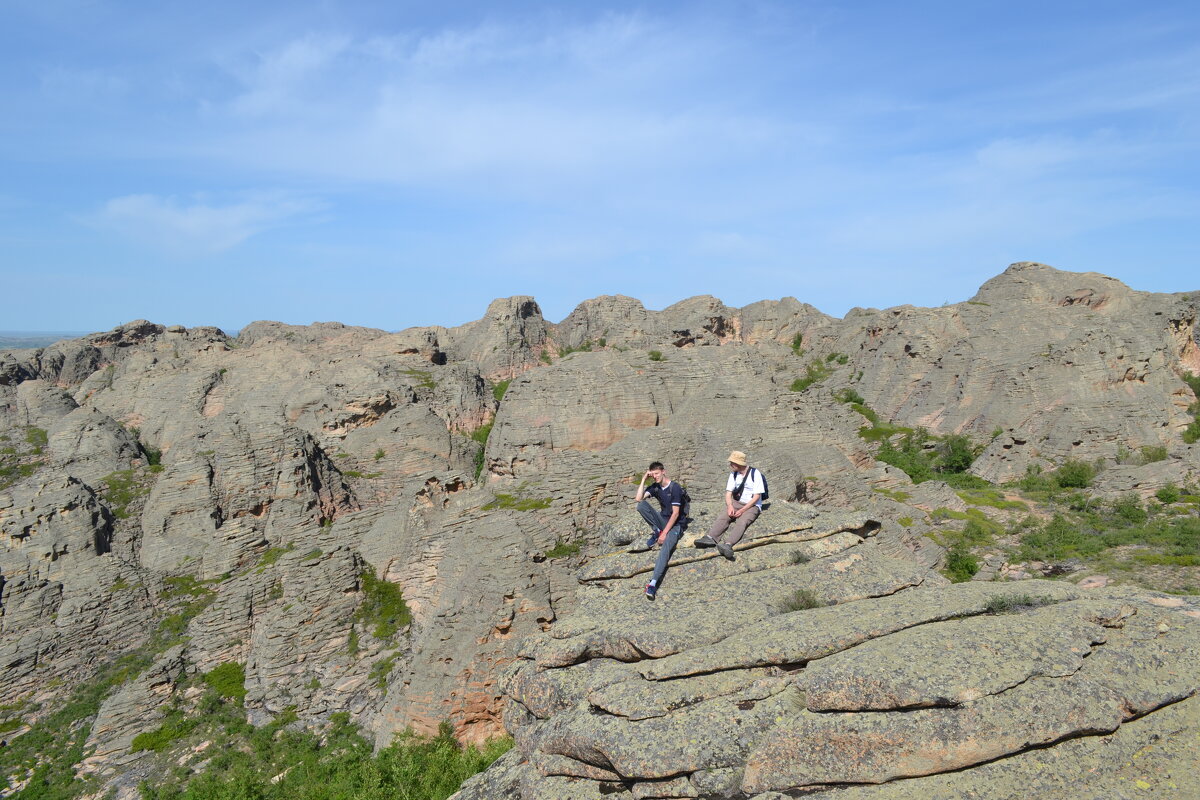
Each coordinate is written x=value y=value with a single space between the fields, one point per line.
x=666 y=525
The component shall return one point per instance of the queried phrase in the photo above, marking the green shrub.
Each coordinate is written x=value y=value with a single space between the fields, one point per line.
x=272 y=555
x=1075 y=474
x=174 y=728
x=383 y=610
x=814 y=373
x=481 y=435
x=798 y=344
x=909 y=457
x=799 y=557
x=801 y=600
x=228 y=680
x=379 y=454
x=848 y=395
x=1011 y=603
x=1128 y=509
x=1152 y=453
x=961 y=565
x=1168 y=494
x=905 y=522
x=894 y=494
x=276 y=762
x=656 y=355
x=381 y=669
x=1057 y=539
x=500 y=389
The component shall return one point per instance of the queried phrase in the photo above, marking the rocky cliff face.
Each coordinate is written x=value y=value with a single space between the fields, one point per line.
x=198 y=499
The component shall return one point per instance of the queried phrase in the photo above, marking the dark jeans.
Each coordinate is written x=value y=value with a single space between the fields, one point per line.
x=656 y=521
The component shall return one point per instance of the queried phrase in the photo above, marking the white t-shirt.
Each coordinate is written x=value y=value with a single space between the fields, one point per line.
x=754 y=485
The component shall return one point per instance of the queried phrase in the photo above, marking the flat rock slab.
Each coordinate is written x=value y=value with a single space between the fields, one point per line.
x=802 y=636
x=814 y=749
x=1152 y=757
x=622 y=625
x=952 y=662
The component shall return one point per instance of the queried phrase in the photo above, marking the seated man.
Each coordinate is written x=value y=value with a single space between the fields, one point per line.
x=666 y=525
x=744 y=493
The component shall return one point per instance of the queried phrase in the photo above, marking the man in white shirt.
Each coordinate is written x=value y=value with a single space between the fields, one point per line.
x=743 y=503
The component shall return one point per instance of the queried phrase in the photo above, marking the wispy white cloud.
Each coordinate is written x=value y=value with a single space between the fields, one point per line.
x=197 y=227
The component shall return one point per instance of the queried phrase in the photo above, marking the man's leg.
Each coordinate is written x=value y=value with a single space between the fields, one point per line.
x=738 y=529
x=714 y=532
x=654 y=520
x=664 y=557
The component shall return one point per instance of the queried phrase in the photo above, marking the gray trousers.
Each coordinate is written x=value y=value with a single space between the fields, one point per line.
x=655 y=518
x=737 y=529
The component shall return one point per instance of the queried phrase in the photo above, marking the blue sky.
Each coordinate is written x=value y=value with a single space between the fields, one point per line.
x=396 y=164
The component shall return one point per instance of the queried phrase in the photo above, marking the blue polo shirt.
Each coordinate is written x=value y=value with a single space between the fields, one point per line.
x=671 y=495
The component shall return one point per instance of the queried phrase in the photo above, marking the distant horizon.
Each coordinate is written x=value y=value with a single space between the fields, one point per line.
x=234 y=330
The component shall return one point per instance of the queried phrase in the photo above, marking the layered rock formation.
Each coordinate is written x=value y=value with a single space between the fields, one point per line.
x=884 y=677
x=202 y=499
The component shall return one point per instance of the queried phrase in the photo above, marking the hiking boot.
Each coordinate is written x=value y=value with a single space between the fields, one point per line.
x=705 y=541
x=651 y=590
x=725 y=550
x=649 y=545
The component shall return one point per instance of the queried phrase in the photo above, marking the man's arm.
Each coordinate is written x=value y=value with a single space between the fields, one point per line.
x=641 y=492
x=729 y=502
x=753 y=500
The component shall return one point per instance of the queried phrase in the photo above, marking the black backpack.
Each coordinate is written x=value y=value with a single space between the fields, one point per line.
x=737 y=490
x=685 y=504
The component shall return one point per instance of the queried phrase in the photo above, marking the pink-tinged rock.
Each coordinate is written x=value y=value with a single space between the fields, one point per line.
x=1094 y=582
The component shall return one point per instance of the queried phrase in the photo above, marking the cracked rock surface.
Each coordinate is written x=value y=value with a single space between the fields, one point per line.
x=896 y=685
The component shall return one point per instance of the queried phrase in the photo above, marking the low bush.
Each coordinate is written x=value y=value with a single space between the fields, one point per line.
x=961 y=565
x=383 y=610
x=228 y=680
x=814 y=373
x=801 y=600
x=1011 y=603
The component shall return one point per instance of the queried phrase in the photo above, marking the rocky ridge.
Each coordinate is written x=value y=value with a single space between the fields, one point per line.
x=202 y=499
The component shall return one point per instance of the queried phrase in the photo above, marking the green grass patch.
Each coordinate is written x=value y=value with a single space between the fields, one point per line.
x=380 y=671
x=279 y=763
x=499 y=389
x=894 y=494
x=990 y=498
x=905 y=522
x=383 y=610
x=656 y=355
x=564 y=549
x=121 y=489
x=271 y=556
x=516 y=502
x=423 y=378
x=228 y=680
x=48 y=752
x=814 y=373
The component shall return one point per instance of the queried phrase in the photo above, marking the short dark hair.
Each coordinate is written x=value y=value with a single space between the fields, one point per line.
x=656 y=465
